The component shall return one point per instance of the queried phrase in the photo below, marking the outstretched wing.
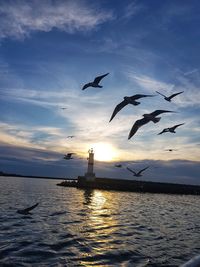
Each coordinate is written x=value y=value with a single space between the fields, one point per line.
x=138 y=96
x=160 y=94
x=171 y=96
x=130 y=170
x=160 y=111
x=136 y=126
x=118 y=108
x=31 y=208
x=143 y=170
x=175 y=126
x=70 y=154
x=163 y=131
x=99 y=78
x=86 y=86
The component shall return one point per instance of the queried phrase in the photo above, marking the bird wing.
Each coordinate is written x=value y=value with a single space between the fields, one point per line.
x=118 y=108
x=134 y=97
x=143 y=170
x=160 y=94
x=118 y=165
x=159 y=111
x=175 y=126
x=137 y=125
x=171 y=96
x=86 y=86
x=31 y=208
x=130 y=170
x=70 y=154
x=99 y=78
x=162 y=132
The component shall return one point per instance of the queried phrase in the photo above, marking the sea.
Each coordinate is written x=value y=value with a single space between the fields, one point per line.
x=75 y=227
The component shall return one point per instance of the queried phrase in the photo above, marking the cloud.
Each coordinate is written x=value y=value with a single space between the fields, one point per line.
x=148 y=83
x=170 y=171
x=131 y=9
x=191 y=72
x=19 y=18
x=190 y=86
x=32 y=161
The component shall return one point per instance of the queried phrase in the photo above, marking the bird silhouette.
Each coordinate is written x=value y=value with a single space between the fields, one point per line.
x=128 y=100
x=170 y=149
x=70 y=136
x=118 y=165
x=27 y=210
x=138 y=174
x=169 y=98
x=95 y=83
x=170 y=129
x=147 y=118
x=68 y=156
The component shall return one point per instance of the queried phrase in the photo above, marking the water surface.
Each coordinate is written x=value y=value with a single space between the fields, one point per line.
x=73 y=227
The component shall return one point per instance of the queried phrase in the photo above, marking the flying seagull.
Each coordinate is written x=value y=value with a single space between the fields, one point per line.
x=138 y=174
x=96 y=82
x=147 y=118
x=26 y=211
x=128 y=100
x=68 y=156
x=168 y=98
x=170 y=149
x=63 y=108
x=170 y=129
x=70 y=136
x=118 y=165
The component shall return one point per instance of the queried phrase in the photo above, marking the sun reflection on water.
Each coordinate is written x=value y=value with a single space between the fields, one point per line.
x=100 y=223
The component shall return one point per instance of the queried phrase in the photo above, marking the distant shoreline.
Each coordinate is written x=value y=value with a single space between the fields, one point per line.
x=30 y=176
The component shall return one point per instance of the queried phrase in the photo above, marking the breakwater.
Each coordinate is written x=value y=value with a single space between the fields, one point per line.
x=134 y=186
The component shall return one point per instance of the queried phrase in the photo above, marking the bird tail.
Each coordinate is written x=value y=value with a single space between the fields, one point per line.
x=155 y=120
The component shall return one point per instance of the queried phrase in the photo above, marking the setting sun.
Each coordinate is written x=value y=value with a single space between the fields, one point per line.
x=104 y=152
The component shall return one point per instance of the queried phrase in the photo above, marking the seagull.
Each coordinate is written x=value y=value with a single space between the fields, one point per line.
x=96 y=82
x=68 y=156
x=26 y=211
x=170 y=149
x=128 y=100
x=63 y=108
x=168 y=98
x=70 y=136
x=118 y=165
x=170 y=129
x=138 y=174
x=147 y=118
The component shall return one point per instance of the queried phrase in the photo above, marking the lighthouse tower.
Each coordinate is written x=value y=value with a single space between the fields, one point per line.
x=90 y=175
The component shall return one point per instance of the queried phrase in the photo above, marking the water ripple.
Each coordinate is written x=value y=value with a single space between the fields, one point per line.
x=73 y=227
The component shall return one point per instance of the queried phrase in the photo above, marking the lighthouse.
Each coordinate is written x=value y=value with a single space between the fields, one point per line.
x=90 y=175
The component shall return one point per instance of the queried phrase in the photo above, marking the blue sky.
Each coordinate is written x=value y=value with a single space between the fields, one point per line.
x=49 y=49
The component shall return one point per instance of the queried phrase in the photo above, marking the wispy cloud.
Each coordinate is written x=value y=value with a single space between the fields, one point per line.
x=19 y=18
x=149 y=83
x=131 y=9
x=191 y=72
x=190 y=87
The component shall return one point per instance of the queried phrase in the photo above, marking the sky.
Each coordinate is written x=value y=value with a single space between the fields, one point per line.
x=50 y=49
